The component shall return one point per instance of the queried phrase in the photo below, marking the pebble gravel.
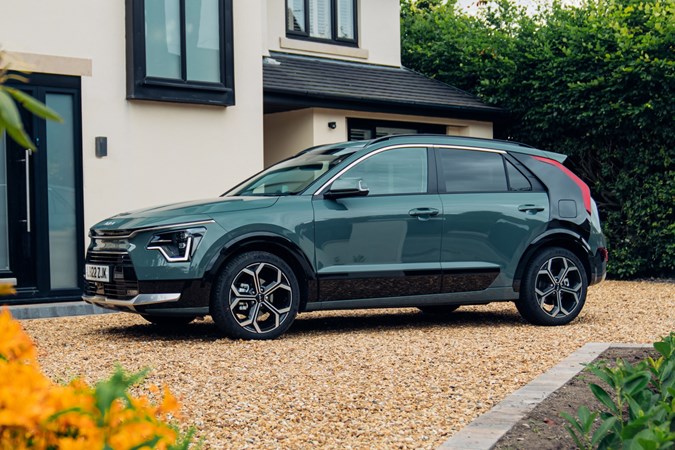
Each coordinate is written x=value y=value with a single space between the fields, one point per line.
x=390 y=379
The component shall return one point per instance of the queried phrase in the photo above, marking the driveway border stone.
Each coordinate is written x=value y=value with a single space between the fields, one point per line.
x=56 y=309
x=484 y=432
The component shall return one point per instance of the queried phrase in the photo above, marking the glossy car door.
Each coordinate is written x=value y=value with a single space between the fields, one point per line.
x=386 y=243
x=492 y=212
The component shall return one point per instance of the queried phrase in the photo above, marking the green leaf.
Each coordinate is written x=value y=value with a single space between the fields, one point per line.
x=36 y=107
x=572 y=422
x=636 y=383
x=604 y=398
x=604 y=428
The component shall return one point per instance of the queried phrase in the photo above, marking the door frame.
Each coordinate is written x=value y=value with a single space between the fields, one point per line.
x=39 y=85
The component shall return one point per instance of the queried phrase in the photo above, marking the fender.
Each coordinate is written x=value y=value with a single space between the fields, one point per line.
x=556 y=236
x=257 y=240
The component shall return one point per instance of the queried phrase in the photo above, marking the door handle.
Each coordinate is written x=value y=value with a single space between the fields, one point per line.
x=28 y=153
x=530 y=208
x=423 y=212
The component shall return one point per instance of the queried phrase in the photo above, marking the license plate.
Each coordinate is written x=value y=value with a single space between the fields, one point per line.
x=94 y=272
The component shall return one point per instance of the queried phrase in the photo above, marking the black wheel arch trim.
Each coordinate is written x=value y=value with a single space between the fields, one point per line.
x=269 y=242
x=558 y=237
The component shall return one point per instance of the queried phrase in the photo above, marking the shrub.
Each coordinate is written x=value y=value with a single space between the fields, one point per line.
x=640 y=404
x=36 y=413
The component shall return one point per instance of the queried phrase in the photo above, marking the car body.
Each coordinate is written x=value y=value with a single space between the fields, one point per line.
x=424 y=221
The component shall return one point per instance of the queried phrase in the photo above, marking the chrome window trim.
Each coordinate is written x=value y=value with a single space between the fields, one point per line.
x=324 y=186
x=162 y=227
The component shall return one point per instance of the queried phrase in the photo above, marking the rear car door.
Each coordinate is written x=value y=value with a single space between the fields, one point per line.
x=493 y=208
x=386 y=243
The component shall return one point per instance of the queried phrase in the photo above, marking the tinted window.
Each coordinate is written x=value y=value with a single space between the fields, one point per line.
x=399 y=171
x=472 y=171
x=517 y=181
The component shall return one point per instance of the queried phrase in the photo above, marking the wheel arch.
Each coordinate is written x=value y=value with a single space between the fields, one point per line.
x=278 y=245
x=555 y=238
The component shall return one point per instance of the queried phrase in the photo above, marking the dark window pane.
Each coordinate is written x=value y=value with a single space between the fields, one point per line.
x=295 y=15
x=162 y=38
x=517 y=181
x=472 y=171
x=400 y=171
x=203 y=40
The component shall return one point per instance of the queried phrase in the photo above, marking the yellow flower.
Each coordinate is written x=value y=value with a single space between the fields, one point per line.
x=7 y=289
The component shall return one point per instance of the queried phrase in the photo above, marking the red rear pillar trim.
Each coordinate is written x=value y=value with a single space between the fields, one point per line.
x=585 y=190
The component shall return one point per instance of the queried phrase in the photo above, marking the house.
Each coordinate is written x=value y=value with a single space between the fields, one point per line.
x=170 y=100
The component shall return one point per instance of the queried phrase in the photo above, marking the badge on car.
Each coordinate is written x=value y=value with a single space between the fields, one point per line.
x=94 y=272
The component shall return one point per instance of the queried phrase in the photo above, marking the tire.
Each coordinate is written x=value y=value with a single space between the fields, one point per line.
x=168 y=321
x=439 y=310
x=241 y=310
x=553 y=288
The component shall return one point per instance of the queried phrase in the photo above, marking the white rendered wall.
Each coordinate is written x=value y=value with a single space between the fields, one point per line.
x=158 y=152
x=378 y=26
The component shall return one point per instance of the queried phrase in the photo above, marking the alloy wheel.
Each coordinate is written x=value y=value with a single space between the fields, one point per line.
x=558 y=287
x=260 y=297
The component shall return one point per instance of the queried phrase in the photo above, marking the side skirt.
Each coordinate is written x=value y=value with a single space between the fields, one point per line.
x=506 y=294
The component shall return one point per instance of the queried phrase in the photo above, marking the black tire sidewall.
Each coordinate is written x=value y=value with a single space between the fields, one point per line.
x=220 y=298
x=527 y=303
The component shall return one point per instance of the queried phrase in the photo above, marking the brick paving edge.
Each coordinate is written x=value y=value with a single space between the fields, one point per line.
x=50 y=310
x=484 y=432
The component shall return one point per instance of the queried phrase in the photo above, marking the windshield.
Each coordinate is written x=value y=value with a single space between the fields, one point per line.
x=294 y=175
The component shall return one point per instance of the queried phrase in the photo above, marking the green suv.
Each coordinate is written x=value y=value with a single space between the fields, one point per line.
x=433 y=222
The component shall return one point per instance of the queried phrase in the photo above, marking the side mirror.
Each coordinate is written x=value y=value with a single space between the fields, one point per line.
x=347 y=187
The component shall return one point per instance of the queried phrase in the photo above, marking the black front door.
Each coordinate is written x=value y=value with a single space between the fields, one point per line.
x=41 y=227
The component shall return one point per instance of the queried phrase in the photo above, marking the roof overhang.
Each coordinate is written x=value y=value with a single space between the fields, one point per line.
x=296 y=82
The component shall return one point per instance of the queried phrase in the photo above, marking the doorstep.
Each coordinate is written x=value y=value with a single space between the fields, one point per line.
x=59 y=309
x=484 y=432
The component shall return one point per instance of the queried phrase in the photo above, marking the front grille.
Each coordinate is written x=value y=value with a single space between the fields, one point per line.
x=123 y=284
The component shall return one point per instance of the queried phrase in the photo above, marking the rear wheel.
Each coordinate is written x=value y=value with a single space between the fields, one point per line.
x=168 y=321
x=256 y=296
x=553 y=289
x=438 y=310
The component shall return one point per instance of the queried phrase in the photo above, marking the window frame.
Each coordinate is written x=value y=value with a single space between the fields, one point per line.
x=304 y=35
x=140 y=86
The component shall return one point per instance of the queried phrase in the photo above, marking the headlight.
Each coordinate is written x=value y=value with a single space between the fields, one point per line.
x=177 y=245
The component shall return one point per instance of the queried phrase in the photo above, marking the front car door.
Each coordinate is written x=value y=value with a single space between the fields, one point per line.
x=385 y=244
x=492 y=211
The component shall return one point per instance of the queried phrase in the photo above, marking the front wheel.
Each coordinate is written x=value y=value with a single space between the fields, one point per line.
x=553 y=289
x=256 y=296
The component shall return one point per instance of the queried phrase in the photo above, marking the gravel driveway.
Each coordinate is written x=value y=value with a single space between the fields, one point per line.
x=366 y=379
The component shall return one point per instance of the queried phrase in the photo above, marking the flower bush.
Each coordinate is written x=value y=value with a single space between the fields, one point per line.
x=36 y=413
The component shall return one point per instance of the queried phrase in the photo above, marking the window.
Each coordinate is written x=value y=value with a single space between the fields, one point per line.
x=180 y=51
x=472 y=171
x=322 y=20
x=399 y=171
x=517 y=181
x=360 y=129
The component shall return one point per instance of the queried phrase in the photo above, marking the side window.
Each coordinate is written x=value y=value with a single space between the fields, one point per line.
x=472 y=171
x=517 y=181
x=399 y=171
x=180 y=51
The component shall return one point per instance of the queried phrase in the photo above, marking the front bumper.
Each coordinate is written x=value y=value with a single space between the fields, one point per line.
x=132 y=303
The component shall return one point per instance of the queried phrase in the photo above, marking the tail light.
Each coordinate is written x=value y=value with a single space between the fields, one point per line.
x=604 y=253
x=585 y=190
